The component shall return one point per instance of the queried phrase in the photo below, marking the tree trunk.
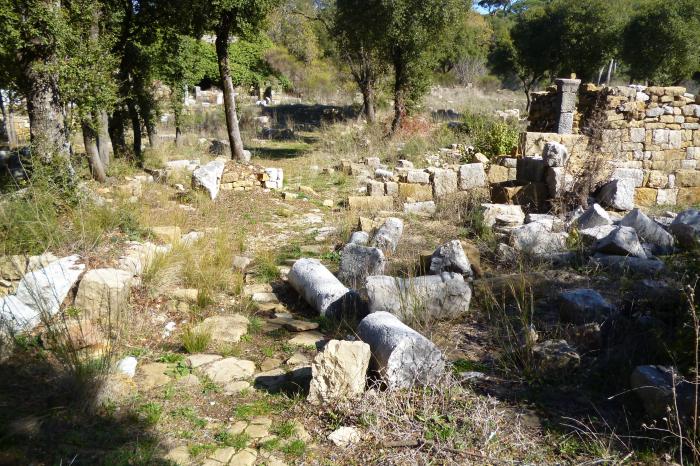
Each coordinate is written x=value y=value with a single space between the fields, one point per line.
x=93 y=154
x=5 y=118
x=12 y=138
x=117 y=132
x=368 y=101
x=153 y=139
x=399 y=95
x=103 y=138
x=610 y=68
x=136 y=128
x=234 y=133
x=46 y=124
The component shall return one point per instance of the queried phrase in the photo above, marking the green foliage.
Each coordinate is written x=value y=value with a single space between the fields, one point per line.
x=468 y=38
x=661 y=42
x=195 y=340
x=238 y=441
x=489 y=135
x=151 y=412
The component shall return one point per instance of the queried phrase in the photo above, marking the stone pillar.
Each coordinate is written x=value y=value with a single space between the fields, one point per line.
x=568 y=90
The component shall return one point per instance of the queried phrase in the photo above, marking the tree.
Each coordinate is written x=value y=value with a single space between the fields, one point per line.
x=228 y=18
x=358 y=27
x=467 y=39
x=412 y=33
x=660 y=43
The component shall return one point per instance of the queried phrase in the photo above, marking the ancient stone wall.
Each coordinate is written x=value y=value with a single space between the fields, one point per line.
x=649 y=134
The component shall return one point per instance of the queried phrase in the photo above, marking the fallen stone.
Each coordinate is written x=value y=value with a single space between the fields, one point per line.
x=401 y=356
x=189 y=295
x=41 y=261
x=225 y=370
x=420 y=208
x=536 y=239
x=270 y=363
x=359 y=237
x=345 y=436
x=358 y=262
x=555 y=154
x=558 y=181
x=662 y=389
x=140 y=256
x=449 y=257
x=648 y=230
x=225 y=329
x=179 y=456
x=127 y=366
x=319 y=287
x=622 y=241
x=418 y=176
x=40 y=294
x=297 y=359
x=686 y=228
x=491 y=212
x=590 y=235
x=388 y=236
x=594 y=216
x=152 y=375
x=310 y=338
x=583 y=306
x=371 y=203
x=13 y=267
x=295 y=325
x=444 y=182
x=628 y=264
x=339 y=371
x=472 y=175
x=554 y=356
x=241 y=263
x=264 y=298
x=441 y=296
x=197 y=360
x=618 y=194
x=208 y=177
x=272 y=380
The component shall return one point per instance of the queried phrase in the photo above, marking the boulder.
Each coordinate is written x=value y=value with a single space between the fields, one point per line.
x=554 y=356
x=104 y=293
x=648 y=230
x=401 y=356
x=686 y=228
x=319 y=287
x=655 y=386
x=618 y=194
x=208 y=177
x=358 y=262
x=472 y=175
x=583 y=306
x=536 y=239
x=339 y=371
x=555 y=154
x=450 y=257
x=441 y=296
x=492 y=212
x=40 y=294
x=388 y=236
x=594 y=216
x=621 y=241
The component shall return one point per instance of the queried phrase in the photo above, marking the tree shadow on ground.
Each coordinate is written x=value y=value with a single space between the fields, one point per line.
x=43 y=420
x=278 y=153
x=306 y=116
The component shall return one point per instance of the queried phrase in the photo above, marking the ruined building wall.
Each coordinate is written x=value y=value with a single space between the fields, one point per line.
x=651 y=135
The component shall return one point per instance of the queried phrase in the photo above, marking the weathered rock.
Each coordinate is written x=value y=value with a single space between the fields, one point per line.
x=358 y=262
x=359 y=237
x=272 y=380
x=310 y=338
x=686 y=228
x=270 y=363
x=594 y=216
x=339 y=371
x=555 y=154
x=554 y=356
x=196 y=360
x=127 y=366
x=345 y=436
x=420 y=208
x=444 y=182
x=319 y=287
x=178 y=455
x=450 y=257
x=648 y=230
x=223 y=371
x=297 y=359
x=12 y=267
x=389 y=234
x=618 y=194
x=371 y=203
x=492 y=212
x=537 y=239
x=531 y=169
x=418 y=176
x=622 y=241
x=225 y=328
x=472 y=175
x=558 y=181
x=241 y=263
x=104 y=293
x=584 y=306
x=402 y=356
x=140 y=256
x=39 y=294
x=655 y=386
x=40 y=261
x=208 y=177
x=590 y=235
x=152 y=375
x=628 y=264
x=441 y=296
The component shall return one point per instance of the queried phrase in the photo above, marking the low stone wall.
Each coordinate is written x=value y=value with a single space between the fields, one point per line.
x=650 y=135
x=244 y=177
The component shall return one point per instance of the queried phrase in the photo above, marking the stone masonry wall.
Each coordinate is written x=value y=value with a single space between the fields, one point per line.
x=649 y=134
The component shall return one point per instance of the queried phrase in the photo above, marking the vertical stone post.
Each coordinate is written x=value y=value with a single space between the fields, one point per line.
x=568 y=90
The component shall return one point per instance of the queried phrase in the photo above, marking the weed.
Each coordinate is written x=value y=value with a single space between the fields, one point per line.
x=267 y=351
x=201 y=449
x=171 y=358
x=238 y=441
x=294 y=448
x=189 y=414
x=258 y=407
x=464 y=365
x=255 y=325
x=209 y=386
x=266 y=267
x=151 y=412
x=196 y=340
x=285 y=429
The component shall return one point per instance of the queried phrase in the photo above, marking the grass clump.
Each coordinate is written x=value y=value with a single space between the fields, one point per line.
x=238 y=441
x=266 y=267
x=151 y=412
x=196 y=340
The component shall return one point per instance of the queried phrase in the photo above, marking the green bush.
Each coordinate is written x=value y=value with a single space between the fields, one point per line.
x=489 y=135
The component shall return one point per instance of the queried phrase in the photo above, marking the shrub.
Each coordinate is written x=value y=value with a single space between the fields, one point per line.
x=489 y=135
x=194 y=340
